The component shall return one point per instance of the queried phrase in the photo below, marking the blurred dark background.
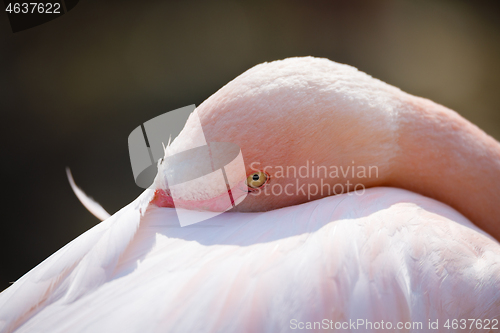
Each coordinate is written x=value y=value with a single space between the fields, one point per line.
x=73 y=89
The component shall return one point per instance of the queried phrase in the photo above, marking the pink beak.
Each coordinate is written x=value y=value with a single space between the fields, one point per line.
x=221 y=203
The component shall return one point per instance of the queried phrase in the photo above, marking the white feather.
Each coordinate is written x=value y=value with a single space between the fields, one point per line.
x=92 y=206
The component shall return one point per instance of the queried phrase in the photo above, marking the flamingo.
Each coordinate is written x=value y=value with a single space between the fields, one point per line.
x=413 y=246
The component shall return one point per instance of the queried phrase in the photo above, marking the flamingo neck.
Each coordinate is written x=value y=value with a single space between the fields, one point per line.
x=445 y=157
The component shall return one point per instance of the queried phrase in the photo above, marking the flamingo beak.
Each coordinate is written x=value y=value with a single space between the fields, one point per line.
x=220 y=203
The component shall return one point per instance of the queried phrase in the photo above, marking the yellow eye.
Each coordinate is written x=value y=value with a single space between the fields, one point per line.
x=257 y=179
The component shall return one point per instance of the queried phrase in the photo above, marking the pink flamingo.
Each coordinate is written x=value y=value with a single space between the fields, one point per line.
x=403 y=253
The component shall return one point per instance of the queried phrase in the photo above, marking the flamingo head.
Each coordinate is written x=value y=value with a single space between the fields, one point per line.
x=306 y=128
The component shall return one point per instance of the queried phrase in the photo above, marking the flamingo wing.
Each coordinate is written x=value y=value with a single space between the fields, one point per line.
x=389 y=254
x=75 y=270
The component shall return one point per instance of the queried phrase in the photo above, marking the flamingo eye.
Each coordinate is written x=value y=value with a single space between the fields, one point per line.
x=257 y=179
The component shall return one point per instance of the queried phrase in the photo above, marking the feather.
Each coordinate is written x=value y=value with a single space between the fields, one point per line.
x=91 y=205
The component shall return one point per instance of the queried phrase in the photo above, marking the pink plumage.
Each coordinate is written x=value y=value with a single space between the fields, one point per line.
x=280 y=262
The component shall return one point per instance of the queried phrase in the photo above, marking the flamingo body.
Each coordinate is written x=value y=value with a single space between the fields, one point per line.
x=388 y=254
x=282 y=261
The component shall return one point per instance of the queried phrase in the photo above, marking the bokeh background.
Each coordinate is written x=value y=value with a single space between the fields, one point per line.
x=73 y=89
